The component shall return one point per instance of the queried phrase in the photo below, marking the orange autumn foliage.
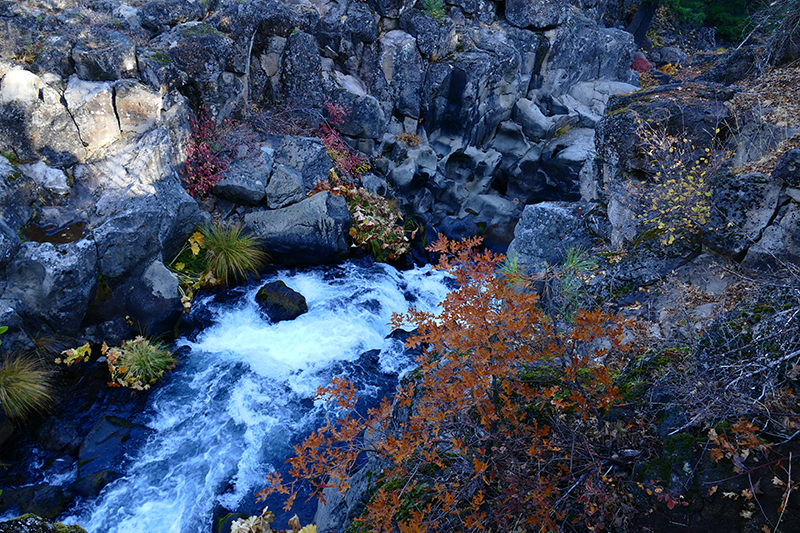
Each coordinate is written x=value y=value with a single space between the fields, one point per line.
x=489 y=435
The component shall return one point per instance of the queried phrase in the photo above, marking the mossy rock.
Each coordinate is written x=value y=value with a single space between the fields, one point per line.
x=31 y=523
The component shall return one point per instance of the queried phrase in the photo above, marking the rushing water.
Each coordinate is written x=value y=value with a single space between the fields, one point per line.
x=231 y=411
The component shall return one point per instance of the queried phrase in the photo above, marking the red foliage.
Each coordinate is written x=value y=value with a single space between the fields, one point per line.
x=641 y=64
x=349 y=162
x=211 y=148
x=493 y=433
x=204 y=161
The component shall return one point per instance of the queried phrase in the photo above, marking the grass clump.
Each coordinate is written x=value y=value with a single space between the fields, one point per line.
x=138 y=363
x=25 y=386
x=230 y=253
x=216 y=254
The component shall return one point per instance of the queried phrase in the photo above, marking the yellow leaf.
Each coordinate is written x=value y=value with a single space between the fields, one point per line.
x=179 y=266
x=310 y=528
x=195 y=248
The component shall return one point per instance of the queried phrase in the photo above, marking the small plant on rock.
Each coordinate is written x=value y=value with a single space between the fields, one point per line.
x=211 y=149
x=347 y=161
x=216 y=254
x=205 y=160
x=138 y=363
x=675 y=201
x=435 y=8
x=377 y=225
x=230 y=254
x=25 y=386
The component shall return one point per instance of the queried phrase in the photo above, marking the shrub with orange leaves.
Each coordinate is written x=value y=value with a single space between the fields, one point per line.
x=492 y=432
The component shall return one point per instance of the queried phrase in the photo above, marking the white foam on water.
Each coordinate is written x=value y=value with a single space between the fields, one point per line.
x=236 y=401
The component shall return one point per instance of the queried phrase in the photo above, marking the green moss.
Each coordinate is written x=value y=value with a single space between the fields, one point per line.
x=158 y=57
x=617 y=111
x=199 y=30
x=563 y=130
x=36 y=524
x=678 y=450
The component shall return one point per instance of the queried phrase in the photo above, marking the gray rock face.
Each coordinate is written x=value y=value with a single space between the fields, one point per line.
x=434 y=40
x=391 y=8
x=280 y=302
x=34 y=127
x=779 y=244
x=246 y=179
x=595 y=94
x=583 y=51
x=16 y=339
x=55 y=56
x=537 y=14
x=92 y=107
x=138 y=108
x=564 y=157
x=545 y=232
x=403 y=69
x=128 y=240
x=196 y=52
x=365 y=117
x=311 y=232
x=534 y=123
x=788 y=168
x=155 y=302
x=102 y=451
x=53 y=284
x=306 y=155
x=136 y=187
x=53 y=180
x=9 y=243
x=742 y=207
x=58 y=435
x=301 y=70
x=471 y=96
x=157 y=14
x=160 y=72
x=285 y=188
x=107 y=56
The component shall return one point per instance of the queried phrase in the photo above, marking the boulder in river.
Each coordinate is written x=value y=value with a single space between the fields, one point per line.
x=280 y=302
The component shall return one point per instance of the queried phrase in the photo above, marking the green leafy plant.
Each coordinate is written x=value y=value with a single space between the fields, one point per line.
x=25 y=386
x=563 y=285
x=729 y=17
x=435 y=8
x=377 y=225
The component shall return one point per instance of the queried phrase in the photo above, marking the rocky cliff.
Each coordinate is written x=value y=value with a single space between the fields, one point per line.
x=501 y=101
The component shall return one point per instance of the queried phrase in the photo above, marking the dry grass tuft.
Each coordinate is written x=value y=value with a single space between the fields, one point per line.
x=25 y=386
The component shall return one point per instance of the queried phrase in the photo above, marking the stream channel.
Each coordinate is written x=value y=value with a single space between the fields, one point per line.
x=242 y=395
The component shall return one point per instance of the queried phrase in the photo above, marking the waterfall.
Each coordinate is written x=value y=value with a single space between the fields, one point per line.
x=242 y=396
